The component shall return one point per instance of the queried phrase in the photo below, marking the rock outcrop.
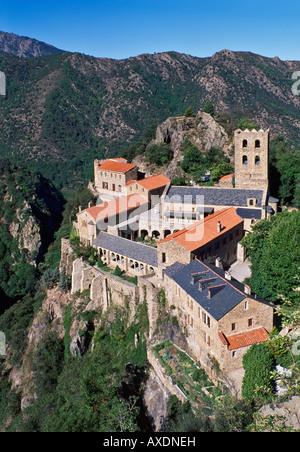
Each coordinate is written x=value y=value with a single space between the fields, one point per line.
x=27 y=231
x=201 y=130
x=290 y=411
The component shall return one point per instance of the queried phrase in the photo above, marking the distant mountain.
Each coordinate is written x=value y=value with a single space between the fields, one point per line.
x=23 y=46
x=64 y=110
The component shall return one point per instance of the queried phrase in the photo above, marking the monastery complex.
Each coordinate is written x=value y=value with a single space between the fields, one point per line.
x=183 y=240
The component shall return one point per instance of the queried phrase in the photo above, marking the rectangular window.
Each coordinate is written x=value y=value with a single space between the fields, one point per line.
x=233 y=326
x=250 y=322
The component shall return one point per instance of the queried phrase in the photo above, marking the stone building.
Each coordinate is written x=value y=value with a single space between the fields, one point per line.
x=189 y=204
x=251 y=159
x=195 y=227
x=99 y=218
x=214 y=237
x=151 y=187
x=131 y=257
x=111 y=176
x=219 y=315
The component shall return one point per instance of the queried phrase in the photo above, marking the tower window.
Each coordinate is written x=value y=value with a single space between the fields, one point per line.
x=257 y=143
x=245 y=143
x=245 y=160
x=257 y=160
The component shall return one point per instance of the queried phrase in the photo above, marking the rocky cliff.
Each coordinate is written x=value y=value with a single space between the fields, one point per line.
x=201 y=130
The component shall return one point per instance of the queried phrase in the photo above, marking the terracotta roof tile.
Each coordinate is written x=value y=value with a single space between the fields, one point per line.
x=117 y=206
x=153 y=182
x=228 y=176
x=204 y=231
x=116 y=166
x=246 y=338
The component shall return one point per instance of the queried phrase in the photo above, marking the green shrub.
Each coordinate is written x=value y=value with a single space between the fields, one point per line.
x=159 y=154
x=258 y=363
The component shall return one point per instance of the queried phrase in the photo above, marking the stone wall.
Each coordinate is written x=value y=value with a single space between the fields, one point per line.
x=105 y=289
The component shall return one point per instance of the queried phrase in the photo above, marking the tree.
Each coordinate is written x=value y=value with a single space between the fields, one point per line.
x=289 y=169
x=189 y=112
x=64 y=282
x=274 y=251
x=48 y=363
x=258 y=363
x=234 y=415
x=159 y=153
x=247 y=124
x=209 y=107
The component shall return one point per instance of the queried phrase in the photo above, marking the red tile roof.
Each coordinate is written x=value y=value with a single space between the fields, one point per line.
x=116 y=166
x=117 y=206
x=244 y=339
x=228 y=176
x=204 y=231
x=153 y=182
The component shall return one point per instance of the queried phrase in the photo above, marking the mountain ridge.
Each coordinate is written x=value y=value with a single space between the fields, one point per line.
x=64 y=110
x=24 y=46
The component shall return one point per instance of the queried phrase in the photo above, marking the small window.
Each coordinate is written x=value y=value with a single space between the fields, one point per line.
x=245 y=143
x=233 y=326
x=257 y=160
x=257 y=143
x=233 y=354
x=245 y=160
x=250 y=322
x=164 y=258
x=246 y=305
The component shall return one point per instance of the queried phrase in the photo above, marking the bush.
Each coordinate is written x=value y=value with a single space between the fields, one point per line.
x=189 y=112
x=159 y=154
x=48 y=363
x=258 y=363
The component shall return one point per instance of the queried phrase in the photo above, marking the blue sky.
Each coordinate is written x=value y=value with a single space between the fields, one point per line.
x=124 y=28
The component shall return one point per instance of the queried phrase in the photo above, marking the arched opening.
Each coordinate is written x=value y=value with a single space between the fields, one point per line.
x=166 y=233
x=257 y=143
x=113 y=187
x=245 y=143
x=245 y=160
x=144 y=234
x=257 y=160
x=155 y=235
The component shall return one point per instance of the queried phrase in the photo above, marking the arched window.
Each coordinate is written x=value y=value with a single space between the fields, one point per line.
x=257 y=143
x=245 y=160
x=257 y=160
x=245 y=143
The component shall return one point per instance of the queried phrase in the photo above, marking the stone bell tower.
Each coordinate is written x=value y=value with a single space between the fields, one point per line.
x=251 y=159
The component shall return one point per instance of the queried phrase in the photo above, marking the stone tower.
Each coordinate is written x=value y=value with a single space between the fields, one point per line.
x=251 y=159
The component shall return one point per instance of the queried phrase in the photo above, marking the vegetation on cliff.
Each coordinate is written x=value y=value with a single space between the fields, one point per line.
x=30 y=212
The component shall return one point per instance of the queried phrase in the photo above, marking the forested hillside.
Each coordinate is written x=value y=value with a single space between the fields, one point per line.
x=30 y=213
x=62 y=111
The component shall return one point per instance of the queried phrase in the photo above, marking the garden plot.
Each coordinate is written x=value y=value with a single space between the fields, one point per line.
x=187 y=375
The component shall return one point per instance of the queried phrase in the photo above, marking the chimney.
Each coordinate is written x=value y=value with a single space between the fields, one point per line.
x=219 y=227
x=247 y=289
x=228 y=276
x=79 y=208
x=218 y=263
